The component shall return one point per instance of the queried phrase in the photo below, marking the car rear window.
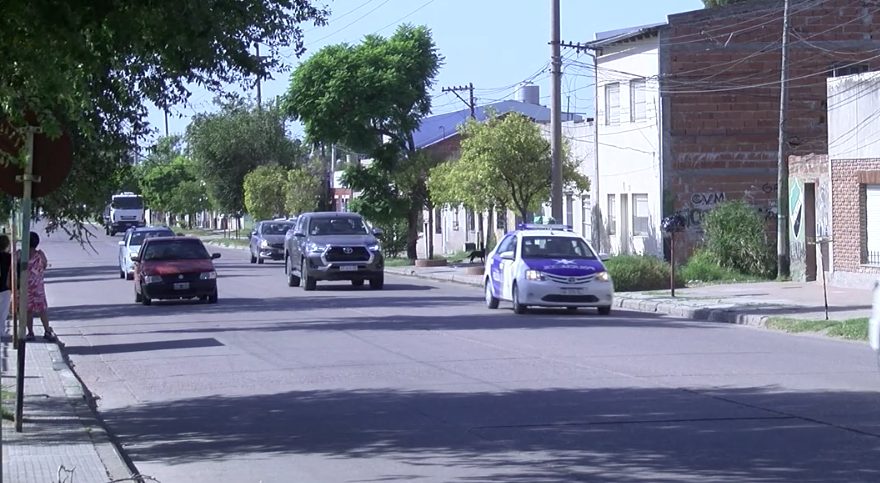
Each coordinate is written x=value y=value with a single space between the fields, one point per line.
x=175 y=250
x=276 y=228
x=138 y=237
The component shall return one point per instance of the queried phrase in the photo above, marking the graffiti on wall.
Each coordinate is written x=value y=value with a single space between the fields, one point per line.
x=700 y=204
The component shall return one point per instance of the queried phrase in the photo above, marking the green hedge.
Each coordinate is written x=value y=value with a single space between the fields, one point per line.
x=702 y=267
x=633 y=273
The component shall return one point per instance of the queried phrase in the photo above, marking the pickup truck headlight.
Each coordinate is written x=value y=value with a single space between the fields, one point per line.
x=316 y=247
x=152 y=279
x=374 y=247
x=208 y=275
x=534 y=275
x=603 y=277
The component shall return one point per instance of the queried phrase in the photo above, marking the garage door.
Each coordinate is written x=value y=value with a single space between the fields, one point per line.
x=873 y=227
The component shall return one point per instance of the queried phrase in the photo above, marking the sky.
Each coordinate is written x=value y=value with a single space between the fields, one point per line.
x=495 y=44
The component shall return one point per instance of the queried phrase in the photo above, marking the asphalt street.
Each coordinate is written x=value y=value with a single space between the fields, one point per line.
x=421 y=382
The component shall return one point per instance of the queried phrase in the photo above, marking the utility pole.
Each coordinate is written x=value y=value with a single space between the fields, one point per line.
x=166 y=122
x=259 y=88
x=596 y=213
x=470 y=101
x=555 y=116
x=783 y=261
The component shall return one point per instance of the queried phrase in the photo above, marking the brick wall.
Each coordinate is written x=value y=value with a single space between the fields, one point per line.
x=848 y=178
x=721 y=82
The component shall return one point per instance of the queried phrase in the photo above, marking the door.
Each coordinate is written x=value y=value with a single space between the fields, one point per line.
x=624 y=224
x=810 y=230
x=872 y=226
x=253 y=240
x=508 y=270
x=497 y=264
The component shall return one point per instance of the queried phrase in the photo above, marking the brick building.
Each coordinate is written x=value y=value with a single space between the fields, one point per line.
x=720 y=95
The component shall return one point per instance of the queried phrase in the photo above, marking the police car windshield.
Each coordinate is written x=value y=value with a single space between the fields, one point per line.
x=556 y=247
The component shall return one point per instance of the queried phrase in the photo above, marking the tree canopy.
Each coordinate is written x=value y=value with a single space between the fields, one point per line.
x=93 y=68
x=371 y=97
x=229 y=144
x=504 y=161
x=304 y=189
x=265 y=192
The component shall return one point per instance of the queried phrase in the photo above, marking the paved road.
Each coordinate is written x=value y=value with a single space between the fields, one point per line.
x=420 y=382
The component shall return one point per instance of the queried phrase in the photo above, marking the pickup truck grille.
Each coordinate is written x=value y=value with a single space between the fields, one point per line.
x=347 y=254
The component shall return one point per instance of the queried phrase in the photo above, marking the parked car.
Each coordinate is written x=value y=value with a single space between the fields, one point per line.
x=267 y=240
x=174 y=268
x=874 y=323
x=131 y=245
x=333 y=246
x=548 y=266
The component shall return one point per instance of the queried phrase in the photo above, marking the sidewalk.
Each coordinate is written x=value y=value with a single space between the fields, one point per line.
x=738 y=303
x=61 y=440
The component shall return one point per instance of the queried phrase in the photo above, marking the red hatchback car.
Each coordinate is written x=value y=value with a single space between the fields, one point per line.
x=174 y=268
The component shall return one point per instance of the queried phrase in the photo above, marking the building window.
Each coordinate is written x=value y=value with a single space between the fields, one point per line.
x=872 y=225
x=637 y=101
x=438 y=221
x=641 y=220
x=586 y=217
x=612 y=215
x=842 y=69
x=612 y=104
x=469 y=216
x=569 y=210
x=455 y=220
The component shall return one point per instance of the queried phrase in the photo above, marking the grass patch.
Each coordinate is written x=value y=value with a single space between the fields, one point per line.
x=635 y=273
x=398 y=262
x=7 y=400
x=230 y=242
x=852 y=329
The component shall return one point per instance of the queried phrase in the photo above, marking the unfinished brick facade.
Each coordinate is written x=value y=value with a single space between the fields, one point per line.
x=849 y=214
x=721 y=96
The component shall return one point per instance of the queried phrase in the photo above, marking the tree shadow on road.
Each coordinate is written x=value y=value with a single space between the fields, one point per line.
x=530 y=436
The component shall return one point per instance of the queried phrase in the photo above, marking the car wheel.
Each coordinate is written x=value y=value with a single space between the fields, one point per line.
x=606 y=310
x=260 y=261
x=129 y=276
x=212 y=299
x=121 y=273
x=357 y=283
x=203 y=298
x=292 y=280
x=144 y=299
x=491 y=301
x=309 y=282
x=377 y=283
x=518 y=308
x=253 y=258
x=138 y=298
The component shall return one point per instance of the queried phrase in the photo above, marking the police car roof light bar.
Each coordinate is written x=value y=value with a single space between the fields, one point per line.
x=536 y=226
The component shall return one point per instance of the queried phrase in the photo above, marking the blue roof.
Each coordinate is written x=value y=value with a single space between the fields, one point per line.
x=444 y=126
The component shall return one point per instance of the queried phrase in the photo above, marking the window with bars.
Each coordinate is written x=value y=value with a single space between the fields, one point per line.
x=611 y=215
x=872 y=225
x=612 y=104
x=641 y=219
x=637 y=99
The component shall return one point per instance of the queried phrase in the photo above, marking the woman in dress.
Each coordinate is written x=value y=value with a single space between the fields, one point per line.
x=37 y=304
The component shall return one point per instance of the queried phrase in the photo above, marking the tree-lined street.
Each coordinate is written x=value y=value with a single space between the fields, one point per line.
x=421 y=382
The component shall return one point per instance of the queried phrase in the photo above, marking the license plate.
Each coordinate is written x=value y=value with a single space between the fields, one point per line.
x=348 y=268
x=181 y=286
x=572 y=291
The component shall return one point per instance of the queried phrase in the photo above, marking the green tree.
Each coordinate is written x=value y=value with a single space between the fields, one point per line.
x=265 y=191
x=504 y=161
x=371 y=97
x=304 y=189
x=231 y=143
x=190 y=197
x=91 y=69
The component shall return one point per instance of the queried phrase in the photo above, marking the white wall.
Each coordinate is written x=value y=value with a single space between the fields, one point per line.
x=578 y=135
x=854 y=116
x=629 y=150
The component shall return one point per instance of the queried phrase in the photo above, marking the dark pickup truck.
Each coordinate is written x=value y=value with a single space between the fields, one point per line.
x=333 y=246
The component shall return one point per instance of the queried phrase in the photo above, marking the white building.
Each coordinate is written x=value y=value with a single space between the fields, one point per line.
x=629 y=191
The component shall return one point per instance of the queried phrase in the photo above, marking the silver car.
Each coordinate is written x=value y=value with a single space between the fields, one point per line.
x=267 y=240
x=131 y=245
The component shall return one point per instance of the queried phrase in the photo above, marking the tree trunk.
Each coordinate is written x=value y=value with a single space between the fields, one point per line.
x=490 y=228
x=430 y=231
x=412 y=231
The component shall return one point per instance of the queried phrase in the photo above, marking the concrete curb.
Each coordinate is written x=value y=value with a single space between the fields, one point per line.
x=118 y=465
x=627 y=302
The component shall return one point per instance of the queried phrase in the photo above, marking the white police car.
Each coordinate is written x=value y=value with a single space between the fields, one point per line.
x=547 y=266
x=874 y=322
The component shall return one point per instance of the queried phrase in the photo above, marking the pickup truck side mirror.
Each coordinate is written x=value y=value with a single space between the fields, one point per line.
x=135 y=258
x=377 y=232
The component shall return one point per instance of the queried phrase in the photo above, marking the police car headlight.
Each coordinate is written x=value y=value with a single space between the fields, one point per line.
x=534 y=275
x=603 y=277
